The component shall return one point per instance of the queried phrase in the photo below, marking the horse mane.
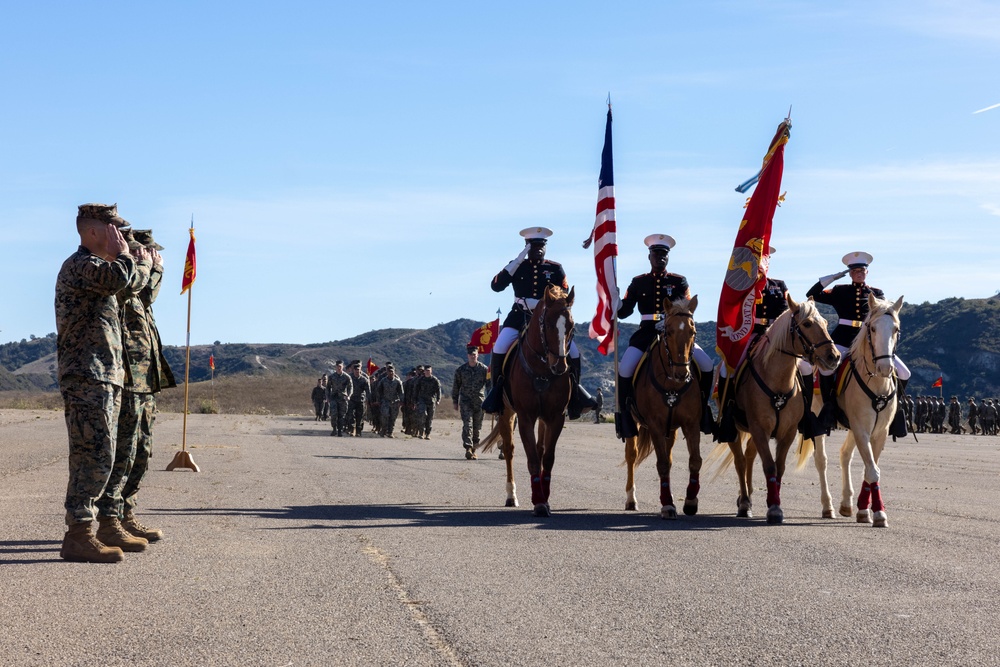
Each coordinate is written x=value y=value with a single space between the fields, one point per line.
x=880 y=308
x=556 y=292
x=779 y=333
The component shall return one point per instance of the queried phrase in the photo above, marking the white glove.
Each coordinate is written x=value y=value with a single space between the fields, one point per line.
x=826 y=280
x=516 y=262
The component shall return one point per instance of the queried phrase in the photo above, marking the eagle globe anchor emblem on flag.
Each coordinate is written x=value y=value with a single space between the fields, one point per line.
x=744 y=269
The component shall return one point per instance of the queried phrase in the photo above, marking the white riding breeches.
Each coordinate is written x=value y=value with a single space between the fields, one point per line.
x=630 y=359
x=508 y=335
x=902 y=372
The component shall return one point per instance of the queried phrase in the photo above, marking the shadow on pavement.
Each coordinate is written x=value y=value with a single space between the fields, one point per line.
x=29 y=547
x=347 y=517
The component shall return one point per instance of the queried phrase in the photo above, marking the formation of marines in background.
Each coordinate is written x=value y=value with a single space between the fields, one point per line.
x=111 y=366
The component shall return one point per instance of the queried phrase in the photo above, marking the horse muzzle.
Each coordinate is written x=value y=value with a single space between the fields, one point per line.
x=558 y=364
x=829 y=359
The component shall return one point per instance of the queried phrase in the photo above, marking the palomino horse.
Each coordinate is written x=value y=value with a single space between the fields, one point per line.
x=667 y=398
x=537 y=391
x=868 y=400
x=768 y=395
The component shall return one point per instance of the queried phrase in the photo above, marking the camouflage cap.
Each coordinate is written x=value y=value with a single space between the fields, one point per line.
x=145 y=237
x=129 y=236
x=104 y=213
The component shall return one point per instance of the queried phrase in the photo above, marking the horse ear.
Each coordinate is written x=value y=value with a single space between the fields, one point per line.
x=692 y=304
x=792 y=304
x=871 y=301
x=898 y=306
x=572 y=295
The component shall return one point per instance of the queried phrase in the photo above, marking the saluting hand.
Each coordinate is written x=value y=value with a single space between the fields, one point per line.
x=141 y=254
x=157 y=258
x=116 y=243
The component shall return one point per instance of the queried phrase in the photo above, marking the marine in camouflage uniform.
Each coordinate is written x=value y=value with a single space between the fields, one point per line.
x=409 y=405
x=467 y=393
x=91 y=370
x=154 y=375
x=390 y=396
x=339 y=387
x=360 y=395
x=973 y=416
x=427 y=390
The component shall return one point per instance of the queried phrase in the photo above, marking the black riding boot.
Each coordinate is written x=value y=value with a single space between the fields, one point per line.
x=625 y=425
x=828 y=415
x=579 y=401
x=726 y=430
x=707 y=418
x=809 y=426
x=493 y=403
x=897 y=429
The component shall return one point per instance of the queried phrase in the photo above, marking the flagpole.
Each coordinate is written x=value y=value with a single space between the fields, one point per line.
x=182 y=459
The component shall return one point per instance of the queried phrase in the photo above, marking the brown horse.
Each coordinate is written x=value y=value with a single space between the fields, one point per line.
x=537 y=390
x=667 y=398
x=768 y=394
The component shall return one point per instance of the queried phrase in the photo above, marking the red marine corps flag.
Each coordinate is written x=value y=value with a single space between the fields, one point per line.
x=190 y=265
x=371 y=367
x=604 y=236
x=485 y=336
x=747 y=270
x=938 y=383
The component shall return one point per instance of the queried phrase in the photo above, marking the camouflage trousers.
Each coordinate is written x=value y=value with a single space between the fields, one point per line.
x=390 y=411
x=356 y=416
x=472 y=420
x=338 y=413
x=91 y=409
x=143 y=450
x=424 y=416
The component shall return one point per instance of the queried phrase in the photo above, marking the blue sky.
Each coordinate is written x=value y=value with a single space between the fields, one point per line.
x=357 y=166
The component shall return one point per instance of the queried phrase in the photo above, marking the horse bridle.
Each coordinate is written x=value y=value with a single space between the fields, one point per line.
x=670 y=363
x=543 y=357
x=871 y=345
x=808 y=348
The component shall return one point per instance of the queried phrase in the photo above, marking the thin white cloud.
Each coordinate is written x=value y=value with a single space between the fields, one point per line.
x=992 y=106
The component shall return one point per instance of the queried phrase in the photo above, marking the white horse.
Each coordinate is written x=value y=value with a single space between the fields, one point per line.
x=868 y=400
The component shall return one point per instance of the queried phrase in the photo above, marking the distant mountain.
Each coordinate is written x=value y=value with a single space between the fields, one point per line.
x=956 y=339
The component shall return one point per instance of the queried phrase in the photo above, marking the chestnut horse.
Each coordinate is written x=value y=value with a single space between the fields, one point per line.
x=869 y=402
x=537 y=390
x=769 y=395
x=667 y=397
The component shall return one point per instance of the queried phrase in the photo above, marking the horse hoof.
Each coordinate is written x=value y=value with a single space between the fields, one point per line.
x=668 y=512
x=775 y=516
x=691 y=507
x=744 y=513
x=827 y=514
x=864 y=516
x=542 y=509
x=511 y=502
x=845 y=510
x=881 y=520
x=631 y=506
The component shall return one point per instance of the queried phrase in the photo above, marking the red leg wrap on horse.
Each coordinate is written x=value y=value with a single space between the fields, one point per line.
x=693 y=488
x=536 y=491
x=665 y=496
x=546 y=487
x=773 y=491
x=877 y=504
x=865 y=496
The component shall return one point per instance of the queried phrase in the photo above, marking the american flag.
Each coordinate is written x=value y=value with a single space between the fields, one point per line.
x=604 y=236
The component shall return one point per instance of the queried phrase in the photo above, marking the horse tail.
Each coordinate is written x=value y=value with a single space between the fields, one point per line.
x=644 y=445
x=495 y=435
x=720 y=459
x=806 y=448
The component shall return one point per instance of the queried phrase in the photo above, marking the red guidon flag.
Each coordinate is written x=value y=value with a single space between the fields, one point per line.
x=604 y=236
x=190 y=265
x=211 y=361
x=371 y=368
x=747 y=270
x=938 y=383
x=484 y=337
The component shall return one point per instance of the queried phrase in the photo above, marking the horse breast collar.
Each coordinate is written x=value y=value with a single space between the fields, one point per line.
x=879 y=402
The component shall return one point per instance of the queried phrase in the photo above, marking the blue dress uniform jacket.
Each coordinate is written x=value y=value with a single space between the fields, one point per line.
x=851 y=304
x=529 y=281
x=771 y=304
x=648 y=292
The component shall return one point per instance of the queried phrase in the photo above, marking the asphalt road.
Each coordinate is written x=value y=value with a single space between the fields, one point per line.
x=292 y=547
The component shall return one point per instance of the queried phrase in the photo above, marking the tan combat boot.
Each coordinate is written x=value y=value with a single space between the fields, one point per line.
x=80 y=546
x=132 y=525
x=112 y=534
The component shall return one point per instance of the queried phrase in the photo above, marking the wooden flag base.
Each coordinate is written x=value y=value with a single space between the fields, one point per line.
x=182 y=459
